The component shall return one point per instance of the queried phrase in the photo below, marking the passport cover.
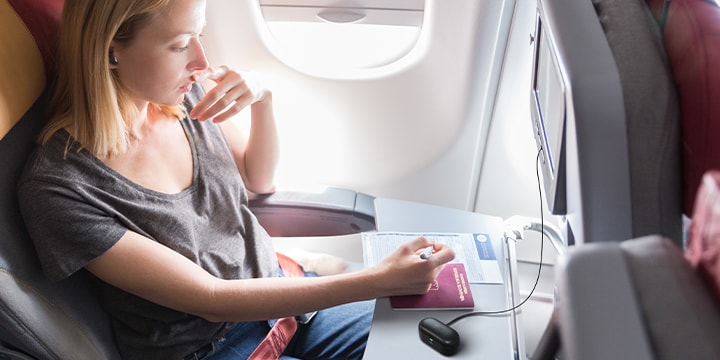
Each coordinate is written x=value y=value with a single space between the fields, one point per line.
x=450 y=291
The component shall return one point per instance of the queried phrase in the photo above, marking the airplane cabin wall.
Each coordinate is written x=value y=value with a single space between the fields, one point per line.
x=509 y=182
x=415 y=129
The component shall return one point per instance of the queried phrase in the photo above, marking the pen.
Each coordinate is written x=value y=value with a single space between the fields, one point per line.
x=426 y=252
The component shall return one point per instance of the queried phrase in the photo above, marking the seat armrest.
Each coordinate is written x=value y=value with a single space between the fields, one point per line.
x=333 y=211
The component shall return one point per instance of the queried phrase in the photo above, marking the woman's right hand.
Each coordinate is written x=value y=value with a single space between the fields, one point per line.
x=403 y=272
x=233 y=92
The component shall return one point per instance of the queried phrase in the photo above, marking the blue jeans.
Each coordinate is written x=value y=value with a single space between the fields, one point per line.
x=340 y=332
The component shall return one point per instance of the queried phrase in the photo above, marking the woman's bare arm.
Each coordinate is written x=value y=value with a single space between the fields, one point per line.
x=256 y=153
x=152 y=271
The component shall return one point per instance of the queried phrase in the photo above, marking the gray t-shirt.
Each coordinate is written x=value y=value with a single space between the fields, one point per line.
x=76 y=208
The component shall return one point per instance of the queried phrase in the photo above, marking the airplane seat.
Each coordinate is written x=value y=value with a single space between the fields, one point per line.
x=606 y=117
x=38 y=318
x=44 y=320
x=646 y=297
x=653 y=118
x=691 y=36
x=638 y=299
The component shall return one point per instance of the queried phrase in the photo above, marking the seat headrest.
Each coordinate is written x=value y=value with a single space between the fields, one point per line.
x=28 y=32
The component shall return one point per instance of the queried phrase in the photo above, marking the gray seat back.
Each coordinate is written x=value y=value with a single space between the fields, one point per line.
x=638 y=299
x=618 y=169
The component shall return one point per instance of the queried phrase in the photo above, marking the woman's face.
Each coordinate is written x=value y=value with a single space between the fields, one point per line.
x=158 y=64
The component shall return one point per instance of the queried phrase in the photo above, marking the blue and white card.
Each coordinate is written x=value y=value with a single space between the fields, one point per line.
x=475 y=251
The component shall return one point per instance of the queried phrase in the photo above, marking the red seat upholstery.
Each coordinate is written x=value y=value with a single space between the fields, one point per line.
x=692 y=41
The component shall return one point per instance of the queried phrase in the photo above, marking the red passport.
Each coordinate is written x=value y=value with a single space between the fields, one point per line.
x=450 y=291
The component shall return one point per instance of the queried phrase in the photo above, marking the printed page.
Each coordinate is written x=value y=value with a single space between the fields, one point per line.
x=475 y=251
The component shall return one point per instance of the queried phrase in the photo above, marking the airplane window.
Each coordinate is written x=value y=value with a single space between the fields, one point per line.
x=327 y=36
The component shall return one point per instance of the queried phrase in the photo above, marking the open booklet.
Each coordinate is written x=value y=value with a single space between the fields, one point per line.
x=473 y=250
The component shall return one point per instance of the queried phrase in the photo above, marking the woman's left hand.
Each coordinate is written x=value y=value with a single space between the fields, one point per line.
x=233 y=92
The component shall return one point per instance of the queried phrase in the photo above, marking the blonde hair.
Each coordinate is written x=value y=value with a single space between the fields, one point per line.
x=88 y=97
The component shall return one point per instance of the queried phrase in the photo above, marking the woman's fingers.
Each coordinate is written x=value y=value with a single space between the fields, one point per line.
x=231 y=94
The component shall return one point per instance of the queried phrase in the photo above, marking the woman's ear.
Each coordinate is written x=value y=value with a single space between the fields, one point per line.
x=112 y=58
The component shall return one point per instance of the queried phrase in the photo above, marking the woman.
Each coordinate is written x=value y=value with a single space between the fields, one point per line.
x=133 y=183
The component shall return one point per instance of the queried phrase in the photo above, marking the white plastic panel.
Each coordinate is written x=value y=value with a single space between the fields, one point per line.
x=413 y=129
x=410 y=15
x=365 y=4
x=508 y=184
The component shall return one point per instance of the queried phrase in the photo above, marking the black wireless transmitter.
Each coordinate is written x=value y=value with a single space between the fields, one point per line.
x=439 y=336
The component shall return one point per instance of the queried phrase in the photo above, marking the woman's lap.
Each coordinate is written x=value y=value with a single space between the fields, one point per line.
x=336 y=333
